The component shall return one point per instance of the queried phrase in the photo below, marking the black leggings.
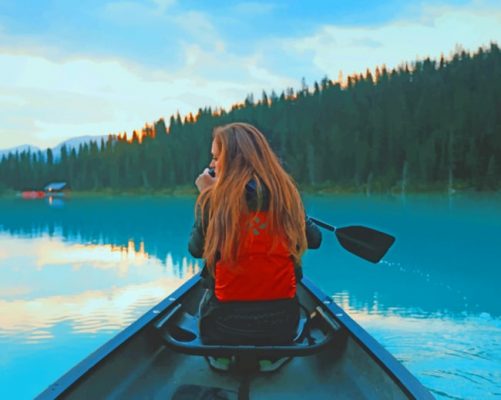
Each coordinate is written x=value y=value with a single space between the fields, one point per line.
x=253 y=323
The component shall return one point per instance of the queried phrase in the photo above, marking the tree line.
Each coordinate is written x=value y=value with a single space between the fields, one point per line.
x=430 y=124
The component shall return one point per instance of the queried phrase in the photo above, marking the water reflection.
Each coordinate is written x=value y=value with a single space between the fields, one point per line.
x=56 y=201
x=47 y=265
x=48 y=280
x=153 y=222
x=92 y=311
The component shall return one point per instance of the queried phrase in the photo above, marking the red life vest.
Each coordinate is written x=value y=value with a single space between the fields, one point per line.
x=262 y=271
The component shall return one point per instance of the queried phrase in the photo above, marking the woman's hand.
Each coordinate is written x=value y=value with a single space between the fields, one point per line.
x=204 y=180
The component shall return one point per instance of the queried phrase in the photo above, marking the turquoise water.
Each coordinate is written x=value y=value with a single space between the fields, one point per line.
x=73 y=273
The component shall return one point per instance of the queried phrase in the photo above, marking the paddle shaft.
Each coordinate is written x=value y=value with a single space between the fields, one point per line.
x=322 y=224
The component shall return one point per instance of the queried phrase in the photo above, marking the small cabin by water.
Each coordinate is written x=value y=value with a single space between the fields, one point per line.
x=56 y=188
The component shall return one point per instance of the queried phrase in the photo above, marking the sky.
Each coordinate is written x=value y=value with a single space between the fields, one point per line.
x=70 y=68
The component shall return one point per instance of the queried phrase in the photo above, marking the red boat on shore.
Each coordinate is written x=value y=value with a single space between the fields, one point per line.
x=33 y=194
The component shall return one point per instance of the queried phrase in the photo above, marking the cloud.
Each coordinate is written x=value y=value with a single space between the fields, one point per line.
x=171 y=27
x=49 y=100
x=253 y=8
x=164 y=5
x=14 y=291
x=134 y=12
x=198 y=25
x=430 y=31
x=48 y=96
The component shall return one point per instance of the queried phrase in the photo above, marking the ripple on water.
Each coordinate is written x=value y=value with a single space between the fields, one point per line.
x=455 y=357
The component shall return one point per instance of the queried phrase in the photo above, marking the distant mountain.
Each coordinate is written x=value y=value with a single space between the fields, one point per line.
x=72 y=143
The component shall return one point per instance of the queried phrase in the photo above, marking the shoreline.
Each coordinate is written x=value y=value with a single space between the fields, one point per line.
x=320 y=190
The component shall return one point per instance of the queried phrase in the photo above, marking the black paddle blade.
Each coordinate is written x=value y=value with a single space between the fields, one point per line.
x=365 y=242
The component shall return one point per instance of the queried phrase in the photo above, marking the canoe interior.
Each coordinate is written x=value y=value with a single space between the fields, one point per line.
x=142 y=367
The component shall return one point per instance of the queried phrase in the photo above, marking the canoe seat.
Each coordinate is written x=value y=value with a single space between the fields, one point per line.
x=179 y=332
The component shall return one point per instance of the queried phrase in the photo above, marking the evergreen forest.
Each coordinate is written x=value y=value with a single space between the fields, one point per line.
x=426 y=125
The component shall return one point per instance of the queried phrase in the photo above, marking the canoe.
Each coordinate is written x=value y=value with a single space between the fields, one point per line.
x=33 y=194
x=160 y=356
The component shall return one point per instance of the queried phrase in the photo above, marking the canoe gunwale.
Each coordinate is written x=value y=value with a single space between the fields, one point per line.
x=409 y=384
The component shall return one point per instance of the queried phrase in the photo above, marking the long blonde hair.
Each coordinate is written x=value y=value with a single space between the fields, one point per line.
x=245 y=155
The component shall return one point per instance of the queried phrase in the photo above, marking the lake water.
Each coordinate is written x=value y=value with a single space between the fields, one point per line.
x=73 y=273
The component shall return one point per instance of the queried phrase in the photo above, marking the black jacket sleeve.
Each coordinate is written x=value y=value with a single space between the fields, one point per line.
x=197 y=240
x=313 y=235
x=314 y=239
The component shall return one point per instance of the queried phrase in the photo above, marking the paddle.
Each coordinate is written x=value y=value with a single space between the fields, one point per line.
x=364 y=242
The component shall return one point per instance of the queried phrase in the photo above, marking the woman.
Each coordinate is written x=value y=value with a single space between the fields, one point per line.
x=251 y=230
